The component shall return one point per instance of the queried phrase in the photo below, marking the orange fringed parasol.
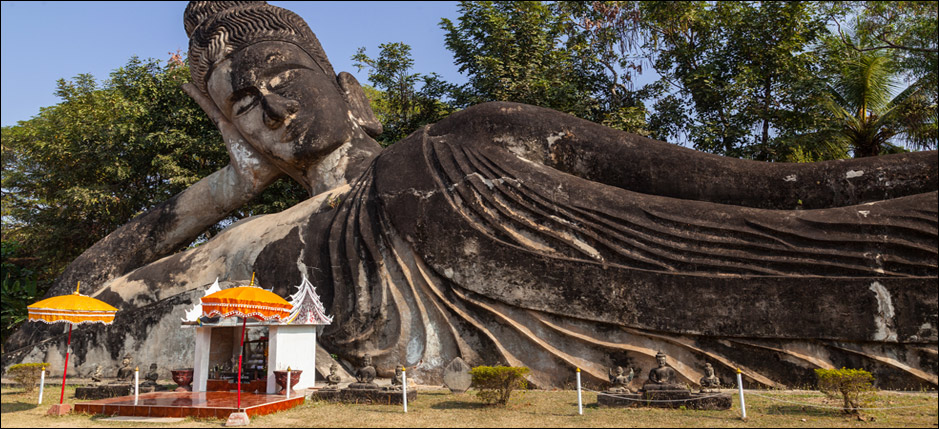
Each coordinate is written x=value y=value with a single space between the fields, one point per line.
x=74 y=309
x=244 y=302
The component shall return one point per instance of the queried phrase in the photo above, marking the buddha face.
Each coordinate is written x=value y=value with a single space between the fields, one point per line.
x=661 y=360
x=283 y=103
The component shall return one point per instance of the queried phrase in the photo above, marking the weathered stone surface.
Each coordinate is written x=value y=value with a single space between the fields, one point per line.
x=456 y=376
x=667 y=399
x=514 y=234
x=112 y=391
x=363 y=396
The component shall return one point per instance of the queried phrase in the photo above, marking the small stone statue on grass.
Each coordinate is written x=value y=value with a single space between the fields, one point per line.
x=620 y=380
x=126 y=373
x=333 y=379
x=709 y=383
x=152 y=376
x=663 y=377
x=397 y=380
x=365 y=376
x=97 y=376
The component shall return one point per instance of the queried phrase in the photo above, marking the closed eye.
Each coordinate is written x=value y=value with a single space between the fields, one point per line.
x=245 y=100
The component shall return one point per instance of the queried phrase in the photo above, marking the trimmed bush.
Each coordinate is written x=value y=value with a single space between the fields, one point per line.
x=26 y=374
x=853 y=386
x=496 y=383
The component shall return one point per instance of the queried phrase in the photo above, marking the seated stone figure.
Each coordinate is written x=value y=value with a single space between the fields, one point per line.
x=97 y=376
x=365 y=376
x=397 y=382
x=333 y=379
x=125 y=373
x=710 y=382
x=619 y=381
x=152 y=376
x=517 y=234
x=663 y=377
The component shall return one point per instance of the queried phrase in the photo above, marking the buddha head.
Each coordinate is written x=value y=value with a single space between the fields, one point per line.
x=265 y=70
x=660 y=358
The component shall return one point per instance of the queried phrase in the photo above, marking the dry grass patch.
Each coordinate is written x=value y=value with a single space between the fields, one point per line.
x=439 y=408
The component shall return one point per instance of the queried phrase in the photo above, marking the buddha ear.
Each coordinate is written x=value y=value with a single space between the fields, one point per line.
x=358 y=104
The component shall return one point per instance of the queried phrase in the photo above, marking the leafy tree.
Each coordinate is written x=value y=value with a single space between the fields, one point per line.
x=27 y=375
x=887 y=46
x=866 y=117
x=608 y=34
x=746 y=69
x=516 y=51
x=105 y=154
x=853 y=386
x=18 y=288
x=907 y=27
x=496 y=383
x=401 y=107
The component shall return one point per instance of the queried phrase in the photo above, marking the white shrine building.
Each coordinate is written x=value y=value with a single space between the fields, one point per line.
x=289 y=343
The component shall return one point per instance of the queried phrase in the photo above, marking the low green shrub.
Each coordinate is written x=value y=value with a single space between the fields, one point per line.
x=496 y=383
x=27 y=374
x=853 y=386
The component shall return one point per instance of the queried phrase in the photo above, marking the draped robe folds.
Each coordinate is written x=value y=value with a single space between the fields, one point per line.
x=512 y=234
x=518 y=235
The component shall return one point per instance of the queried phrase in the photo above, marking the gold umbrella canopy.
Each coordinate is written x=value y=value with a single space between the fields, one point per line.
x=74 y=309
x=245 y=302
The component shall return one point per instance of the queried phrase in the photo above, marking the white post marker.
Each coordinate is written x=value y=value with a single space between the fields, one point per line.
x=743 y=405
x=580 y=403
x=404 y=387
x=136 y=383
x=288 y=382
x=42 y=383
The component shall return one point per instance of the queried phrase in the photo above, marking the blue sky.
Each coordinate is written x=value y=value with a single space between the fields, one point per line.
x=45 y=41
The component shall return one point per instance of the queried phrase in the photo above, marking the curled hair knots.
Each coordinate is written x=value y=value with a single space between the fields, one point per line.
x=231 y=29
x=198 y=11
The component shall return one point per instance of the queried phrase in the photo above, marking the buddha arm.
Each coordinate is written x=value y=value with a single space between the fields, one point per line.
x=165 y=228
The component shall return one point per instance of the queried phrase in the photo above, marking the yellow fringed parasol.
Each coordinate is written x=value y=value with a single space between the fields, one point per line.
x=74 y=309
x=246 y=301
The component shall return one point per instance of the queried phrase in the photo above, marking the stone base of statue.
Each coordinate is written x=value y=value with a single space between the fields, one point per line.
x=239 y=418
x=113 y=390
x=665 y=398
x=59 y=410
x=362 y=386
x=358 y=395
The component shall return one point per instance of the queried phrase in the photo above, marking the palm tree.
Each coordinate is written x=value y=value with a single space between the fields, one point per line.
x=864 y=117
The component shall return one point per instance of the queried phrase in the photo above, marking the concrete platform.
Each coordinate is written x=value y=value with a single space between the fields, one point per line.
x=189 y=404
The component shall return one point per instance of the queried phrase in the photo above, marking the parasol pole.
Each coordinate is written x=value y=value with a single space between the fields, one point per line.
x=241 y=350
x=68 y=349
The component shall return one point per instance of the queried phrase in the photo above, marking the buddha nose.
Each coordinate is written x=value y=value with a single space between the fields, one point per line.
x=277 y=109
